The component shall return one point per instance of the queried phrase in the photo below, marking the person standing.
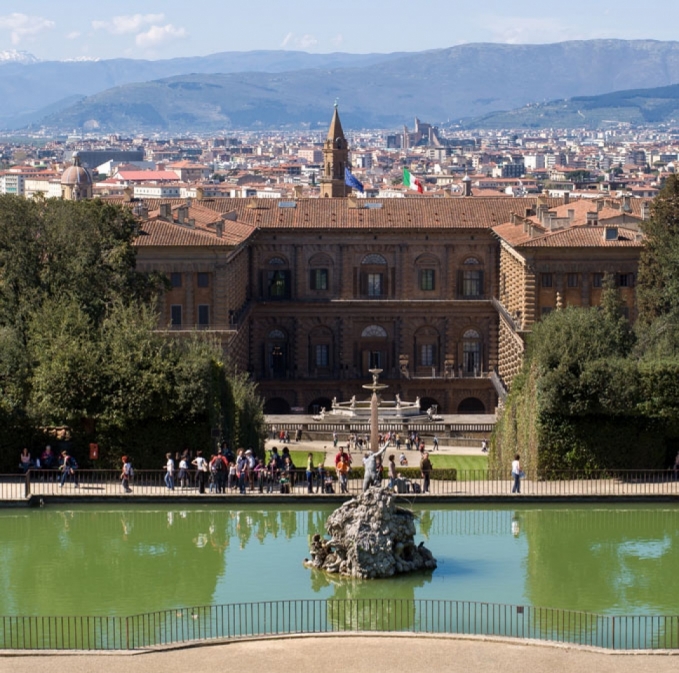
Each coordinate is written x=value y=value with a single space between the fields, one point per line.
x=201 y=471
x=169 y=472
x=392 y=471
x=183 y=475
x=126 y=474
x=436 y=443
x=425 y=470
x=516 y=474
x=241 y=470
x=342 y=467
x=310 y=472
x=484 y=446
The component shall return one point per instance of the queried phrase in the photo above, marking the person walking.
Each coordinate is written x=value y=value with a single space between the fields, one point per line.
x=392 y=471
x=68 y=469
x=425 y=471
x=516 y=474
x=169 y=472
x=126 y=474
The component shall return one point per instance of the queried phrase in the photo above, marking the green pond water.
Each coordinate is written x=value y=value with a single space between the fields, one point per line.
x=99 y=560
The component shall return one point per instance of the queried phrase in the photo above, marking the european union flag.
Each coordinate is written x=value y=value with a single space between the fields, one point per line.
x=351 y=181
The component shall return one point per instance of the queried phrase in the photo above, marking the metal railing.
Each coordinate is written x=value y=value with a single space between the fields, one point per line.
x=317 y=616
x=447 y=482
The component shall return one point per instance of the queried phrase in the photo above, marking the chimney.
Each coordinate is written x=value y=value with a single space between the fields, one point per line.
x=182 y=214
x=127 y=194
x=466 y=186
x=298 y=191
x=592 y=218
x=512 y=218
x=571 y=215
x=566 y=198
x=645 y=211
x=352 y=202
x=627 y=204
x=166 y=212
x=144 y=212
x=192 y=223
x=219 y=228
x=200 y=193
x=599 y=205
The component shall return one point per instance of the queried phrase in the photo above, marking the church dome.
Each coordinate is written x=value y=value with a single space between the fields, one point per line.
x=76 y=174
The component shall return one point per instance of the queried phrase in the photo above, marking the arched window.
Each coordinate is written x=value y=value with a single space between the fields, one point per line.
x=276 y=280
x=427 y=349
x=374 y=277
x=319 y=272
x=276 y=354
x=374 y=332
x=374 y=259
x=374 y=352
x=472 y=353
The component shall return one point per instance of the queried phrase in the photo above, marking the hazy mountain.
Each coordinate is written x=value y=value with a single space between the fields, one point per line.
x=28 y=85
x=14 y=56
x=636 y=106
x=438 y=86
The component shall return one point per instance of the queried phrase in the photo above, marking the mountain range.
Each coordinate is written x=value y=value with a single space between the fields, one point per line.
x=275 y=89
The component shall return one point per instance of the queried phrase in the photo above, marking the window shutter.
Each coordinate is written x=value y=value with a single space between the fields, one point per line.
x=460 y=287
x=312 y=279
x=433 y=280
x=481 y=285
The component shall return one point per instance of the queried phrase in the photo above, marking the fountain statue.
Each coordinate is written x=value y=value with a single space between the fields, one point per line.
x=370 y=537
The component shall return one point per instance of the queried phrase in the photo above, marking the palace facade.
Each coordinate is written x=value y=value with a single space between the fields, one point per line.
x=308 y=295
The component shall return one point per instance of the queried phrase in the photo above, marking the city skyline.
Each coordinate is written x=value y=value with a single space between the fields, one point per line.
x=164 y=29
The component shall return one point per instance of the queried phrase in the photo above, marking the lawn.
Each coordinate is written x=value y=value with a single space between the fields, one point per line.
x=460 y=463
x=299 y=457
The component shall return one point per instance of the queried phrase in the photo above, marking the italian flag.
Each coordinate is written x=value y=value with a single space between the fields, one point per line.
x=409 y=180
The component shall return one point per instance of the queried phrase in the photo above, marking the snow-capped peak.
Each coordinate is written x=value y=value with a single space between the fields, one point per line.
x=14 y=56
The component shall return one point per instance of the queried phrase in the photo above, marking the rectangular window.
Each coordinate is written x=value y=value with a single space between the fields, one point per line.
x=322 y=358
x=176 y=279
x=427 y=355
x=426 y=279
x=572 y=280
x=319 y=279
x=176 y=315
x=203 y=279
x=374 y=284
x=546 y=280
x=625 y=280
x=597 y=279
x=472 y=283
x=203 y=315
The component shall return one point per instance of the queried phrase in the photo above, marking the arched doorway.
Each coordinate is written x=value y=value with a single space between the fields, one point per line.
x=276 y=405
x=316 y=405
x=471 y=405
x=427 y=402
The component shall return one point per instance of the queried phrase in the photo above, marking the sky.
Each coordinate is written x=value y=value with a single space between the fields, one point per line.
x=155 y=29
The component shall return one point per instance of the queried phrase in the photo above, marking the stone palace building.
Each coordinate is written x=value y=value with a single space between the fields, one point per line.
x=308 y=295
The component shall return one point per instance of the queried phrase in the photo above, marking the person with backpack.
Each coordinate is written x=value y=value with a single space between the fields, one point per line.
x=218 y=468
x=126 y=474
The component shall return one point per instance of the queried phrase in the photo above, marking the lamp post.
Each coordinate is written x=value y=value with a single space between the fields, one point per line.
x=375 y=386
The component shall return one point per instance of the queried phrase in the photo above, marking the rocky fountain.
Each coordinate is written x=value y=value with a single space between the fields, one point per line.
x=370 y=537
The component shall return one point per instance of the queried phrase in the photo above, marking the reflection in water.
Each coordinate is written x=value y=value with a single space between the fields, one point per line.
x=140 y=559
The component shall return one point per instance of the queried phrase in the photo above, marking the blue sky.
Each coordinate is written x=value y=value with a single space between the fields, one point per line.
x=170 y=28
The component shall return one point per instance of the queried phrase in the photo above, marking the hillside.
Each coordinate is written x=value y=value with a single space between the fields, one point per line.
x=438 y=86
x=636 y=106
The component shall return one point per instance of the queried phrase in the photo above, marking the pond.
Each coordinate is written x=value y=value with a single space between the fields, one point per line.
x=103 y=560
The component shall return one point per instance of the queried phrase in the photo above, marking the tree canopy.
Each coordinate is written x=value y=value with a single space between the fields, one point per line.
x=78 y=345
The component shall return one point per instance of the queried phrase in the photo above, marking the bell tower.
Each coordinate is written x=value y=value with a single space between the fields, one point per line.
x=335 y=160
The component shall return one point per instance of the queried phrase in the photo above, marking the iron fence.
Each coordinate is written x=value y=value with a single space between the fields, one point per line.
x=445 y=483
x=317 y=616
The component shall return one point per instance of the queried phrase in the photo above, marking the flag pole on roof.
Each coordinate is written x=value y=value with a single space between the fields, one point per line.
x=410 y=181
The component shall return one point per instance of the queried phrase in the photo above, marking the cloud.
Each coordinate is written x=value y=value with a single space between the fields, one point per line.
x=158 y=34
x=22 y=25
x=131 y=23
x=338 y=40
x=74 y=35
x=532 y=30
x=306 y=41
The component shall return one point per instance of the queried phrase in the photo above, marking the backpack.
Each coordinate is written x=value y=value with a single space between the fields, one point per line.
x=218 y=465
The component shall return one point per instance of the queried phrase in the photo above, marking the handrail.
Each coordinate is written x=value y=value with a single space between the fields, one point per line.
x=316 y=616
x=482 y=483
